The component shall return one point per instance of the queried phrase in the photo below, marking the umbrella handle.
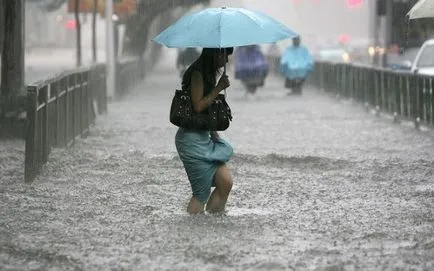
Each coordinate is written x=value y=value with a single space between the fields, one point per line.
x=224 y=69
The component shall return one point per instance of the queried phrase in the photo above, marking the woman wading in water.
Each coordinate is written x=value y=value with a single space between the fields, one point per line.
x=203 y=153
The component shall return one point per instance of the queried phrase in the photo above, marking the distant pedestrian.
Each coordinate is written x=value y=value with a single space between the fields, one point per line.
x=273 y=55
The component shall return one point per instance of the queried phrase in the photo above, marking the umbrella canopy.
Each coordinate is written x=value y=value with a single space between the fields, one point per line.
x=223 y=27
x=422 y=9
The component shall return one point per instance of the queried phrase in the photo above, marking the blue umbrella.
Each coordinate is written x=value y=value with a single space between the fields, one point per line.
x=223 y=27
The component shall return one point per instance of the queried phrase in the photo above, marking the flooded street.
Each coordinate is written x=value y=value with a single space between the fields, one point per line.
x=318 y=185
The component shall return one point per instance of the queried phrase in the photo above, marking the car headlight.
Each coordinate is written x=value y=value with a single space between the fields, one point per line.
x=371 y=51
x=346 y=57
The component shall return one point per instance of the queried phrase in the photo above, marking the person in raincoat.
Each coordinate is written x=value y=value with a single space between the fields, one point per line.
x=273 y=55
x=296 y=64
x=203 y=153
x=251 y=67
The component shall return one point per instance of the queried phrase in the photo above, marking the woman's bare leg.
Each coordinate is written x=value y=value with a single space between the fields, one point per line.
x=195 y=206
x=219 y=197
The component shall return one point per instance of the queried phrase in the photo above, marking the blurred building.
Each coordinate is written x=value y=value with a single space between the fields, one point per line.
x=57 y=28
x=46 y=29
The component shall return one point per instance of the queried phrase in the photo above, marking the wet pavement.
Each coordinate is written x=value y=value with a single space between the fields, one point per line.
x=318 y=185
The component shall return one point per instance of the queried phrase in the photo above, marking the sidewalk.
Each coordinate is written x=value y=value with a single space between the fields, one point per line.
x=318 y=185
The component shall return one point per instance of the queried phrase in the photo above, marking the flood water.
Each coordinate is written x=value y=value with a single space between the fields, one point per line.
x=318 y=185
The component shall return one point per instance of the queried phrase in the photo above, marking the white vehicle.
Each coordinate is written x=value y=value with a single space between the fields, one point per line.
x=337 y=54
x=424 y=61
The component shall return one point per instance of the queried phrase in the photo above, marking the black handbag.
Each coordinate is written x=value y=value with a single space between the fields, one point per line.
x=216 y=117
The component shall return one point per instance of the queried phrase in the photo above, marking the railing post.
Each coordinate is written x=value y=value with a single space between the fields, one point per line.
x=85 y=104
x=383 y=89
x=88 y=99
x=30 y=164
x=363 y=89
x=330 y=79
x=74 y=106
x=354 y=91
x=413 y=87
x=431 y=100
x=342 y=79
x=366 y=88
x=58 y=130
x=350 y=82
x=397 y=95
x=423 y=99
x=415 y=101
x=102 y=91
x=67 y=110
x=407 y=95
x=389 y=93
x=93 y=88
x=377 y=92
x=372 y=87
x=45 y=148
x=321 y=76
x=80 y=103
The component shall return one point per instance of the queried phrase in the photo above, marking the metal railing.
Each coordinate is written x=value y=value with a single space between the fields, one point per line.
x=62 y=108
x=403 y=94
x=59 y=110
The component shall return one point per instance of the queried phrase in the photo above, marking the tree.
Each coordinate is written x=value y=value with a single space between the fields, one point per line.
x=94 y=14
x=12 y=58
x=2 y=30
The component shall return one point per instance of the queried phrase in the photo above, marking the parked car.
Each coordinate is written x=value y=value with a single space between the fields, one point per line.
x=424 y=61
x=416 y=60
x=402 y=61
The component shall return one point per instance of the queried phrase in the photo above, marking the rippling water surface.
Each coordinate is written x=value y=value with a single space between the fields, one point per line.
x=318 y=185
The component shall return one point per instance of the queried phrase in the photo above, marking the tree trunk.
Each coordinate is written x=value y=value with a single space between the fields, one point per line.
x=94 y=13
x=12 y=66
x=78 y=31
x=2 y=23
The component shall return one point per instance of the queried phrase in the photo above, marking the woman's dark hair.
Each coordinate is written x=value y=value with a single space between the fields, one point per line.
x=205 y=65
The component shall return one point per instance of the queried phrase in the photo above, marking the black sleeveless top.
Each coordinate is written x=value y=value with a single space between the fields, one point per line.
x=207 y=85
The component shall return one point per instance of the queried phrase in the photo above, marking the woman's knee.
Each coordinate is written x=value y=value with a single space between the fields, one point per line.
x=224 y=178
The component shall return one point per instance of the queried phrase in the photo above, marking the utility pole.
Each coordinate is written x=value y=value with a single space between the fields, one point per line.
x=388 y=30
x=110 y=52
x=94 y=14
x=374 y=20
x=77 y=31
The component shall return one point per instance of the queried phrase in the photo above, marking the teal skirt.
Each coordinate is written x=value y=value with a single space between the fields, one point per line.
x=201 y=157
